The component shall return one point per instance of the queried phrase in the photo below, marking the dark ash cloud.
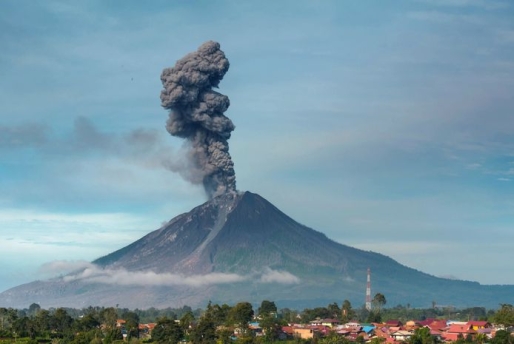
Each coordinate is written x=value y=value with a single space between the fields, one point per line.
x=23 y=136
x=142 y=146
x=196 y=114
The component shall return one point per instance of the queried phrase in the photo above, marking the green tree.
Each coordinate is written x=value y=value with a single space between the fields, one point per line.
x=167 y=331
x=131 y=324
x=33 y=309
x=374 y=317
x=360 y=339
x=271 y=327
x=205 y=330
x=505 y=315
x=347 y=312
x=88 y=322
x=24 y=327
x=481 y=338
x=422 y=336
x=8 y=317
x=109 y=317
x=334 y=310
x=88 y=337
x=241 y=314
x=288 y=315
x=42 y=322
x=502 y=337
x=378 y=302
x=61 y=321
x=318 y=312
x=377 y=340
x=186 y=321
x=333 y=338
x=221 y=314
x=112 y=335
x=362 y=314
x=266 y=308
x=223 y=335
x=4 y=316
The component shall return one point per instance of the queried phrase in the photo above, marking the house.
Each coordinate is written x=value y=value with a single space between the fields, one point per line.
x=343 y=332
x=303 y=333
x=320 y=329
x=353 y=336
x=477 y=325
x=427 y=321
x=437 y=335
x=352 y=324
x=330 y=322
x=488 y=332
x=458 y=330
x=411 y=325
x=382 y=332
x=437 y=325
x=255 y=328
x=393 y=323
x=145 y=330
x=401 y=335
x=288 y=331
x=368 y=329
x=394 y=328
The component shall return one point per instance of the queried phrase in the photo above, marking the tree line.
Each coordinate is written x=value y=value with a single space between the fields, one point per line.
x=214 y=324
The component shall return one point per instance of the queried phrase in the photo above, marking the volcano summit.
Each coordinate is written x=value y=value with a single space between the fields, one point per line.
x=240 y=247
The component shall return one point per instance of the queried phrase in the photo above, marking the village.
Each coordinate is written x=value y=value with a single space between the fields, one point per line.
x=391 y=331
x=268 y=327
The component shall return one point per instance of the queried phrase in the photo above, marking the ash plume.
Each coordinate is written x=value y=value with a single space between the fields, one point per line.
x=196 y=114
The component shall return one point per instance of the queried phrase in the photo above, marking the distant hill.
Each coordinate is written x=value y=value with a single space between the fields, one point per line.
x=242 y=248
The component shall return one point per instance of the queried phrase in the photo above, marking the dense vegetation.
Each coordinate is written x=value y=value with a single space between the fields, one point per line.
x=217 y=323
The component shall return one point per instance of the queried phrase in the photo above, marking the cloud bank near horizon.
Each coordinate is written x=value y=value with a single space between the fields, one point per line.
x=91 y=273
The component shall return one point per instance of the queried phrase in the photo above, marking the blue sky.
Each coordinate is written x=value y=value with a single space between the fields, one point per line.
x=385 y=125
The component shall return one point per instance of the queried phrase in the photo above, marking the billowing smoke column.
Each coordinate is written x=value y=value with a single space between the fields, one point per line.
x=196 y=114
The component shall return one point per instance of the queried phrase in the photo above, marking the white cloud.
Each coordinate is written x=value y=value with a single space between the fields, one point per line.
x=276 y=276
x=63 y=266
x=93 y=274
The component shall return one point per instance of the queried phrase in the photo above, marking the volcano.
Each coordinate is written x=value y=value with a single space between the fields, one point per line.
x=239 y=247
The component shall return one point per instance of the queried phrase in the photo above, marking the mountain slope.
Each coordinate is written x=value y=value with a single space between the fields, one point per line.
x=241 y=247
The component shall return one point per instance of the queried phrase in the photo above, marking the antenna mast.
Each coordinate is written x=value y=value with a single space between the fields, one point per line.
x=368 y=291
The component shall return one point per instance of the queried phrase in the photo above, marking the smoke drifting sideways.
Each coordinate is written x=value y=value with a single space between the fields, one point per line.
x=196 y=114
